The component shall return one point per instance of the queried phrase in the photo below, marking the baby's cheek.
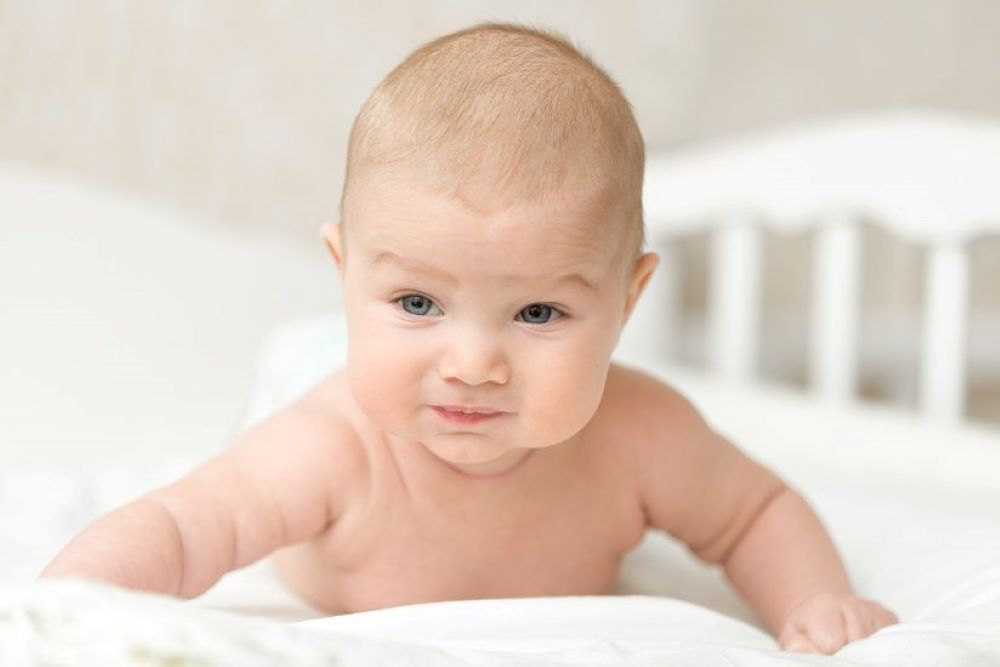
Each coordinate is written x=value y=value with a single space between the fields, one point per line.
x=564 y=398
x=377 y=383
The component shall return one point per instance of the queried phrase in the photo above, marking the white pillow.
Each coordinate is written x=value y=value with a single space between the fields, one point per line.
x=295 y=356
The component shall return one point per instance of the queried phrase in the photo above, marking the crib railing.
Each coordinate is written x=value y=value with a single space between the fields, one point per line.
x=735 y=306
x=827 y=177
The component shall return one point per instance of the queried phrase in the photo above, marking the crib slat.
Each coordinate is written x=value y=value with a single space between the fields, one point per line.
x=836 y=301
x=734 y=297
x=942 y=381
x=652 y=330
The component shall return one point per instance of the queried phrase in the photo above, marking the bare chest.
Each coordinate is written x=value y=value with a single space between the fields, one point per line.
x=551 y=530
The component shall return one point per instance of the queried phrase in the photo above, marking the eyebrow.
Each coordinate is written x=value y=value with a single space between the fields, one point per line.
x=389 y=257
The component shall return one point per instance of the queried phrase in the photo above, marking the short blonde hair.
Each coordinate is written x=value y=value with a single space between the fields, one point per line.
x=503 y=110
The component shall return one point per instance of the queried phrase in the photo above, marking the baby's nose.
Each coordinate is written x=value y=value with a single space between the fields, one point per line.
x=475 y=361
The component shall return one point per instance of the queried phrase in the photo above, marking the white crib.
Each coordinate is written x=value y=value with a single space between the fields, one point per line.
x=930 y=178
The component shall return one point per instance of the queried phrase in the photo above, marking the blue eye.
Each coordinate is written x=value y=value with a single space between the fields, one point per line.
x=421 y=304
x=538 y=313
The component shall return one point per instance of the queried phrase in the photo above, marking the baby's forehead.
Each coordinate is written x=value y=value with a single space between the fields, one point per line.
x=408 y=213
x=577 y=212
x=514 y=233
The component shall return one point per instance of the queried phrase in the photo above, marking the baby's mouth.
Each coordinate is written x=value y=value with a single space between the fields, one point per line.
x=458 y=414
x=467 y=409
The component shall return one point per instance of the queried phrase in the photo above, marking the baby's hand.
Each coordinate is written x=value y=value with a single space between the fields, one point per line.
x=825 y=622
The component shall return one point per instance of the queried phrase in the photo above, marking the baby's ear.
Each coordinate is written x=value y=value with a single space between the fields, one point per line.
x=330 y=231
x=641 y=274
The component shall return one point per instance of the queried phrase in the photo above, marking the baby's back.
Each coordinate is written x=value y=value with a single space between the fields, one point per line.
x=413 y=529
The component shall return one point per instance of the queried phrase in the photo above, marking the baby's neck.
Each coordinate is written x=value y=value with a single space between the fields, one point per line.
x=498 y=467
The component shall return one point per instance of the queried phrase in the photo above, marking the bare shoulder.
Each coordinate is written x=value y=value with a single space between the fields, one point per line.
x=286 y=479
x=649 y=402
x=313 y=438
x=644 y=416
x=695 y=484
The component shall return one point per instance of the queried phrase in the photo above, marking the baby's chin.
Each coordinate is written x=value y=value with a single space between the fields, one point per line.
x=465 y=448
x=477 y=465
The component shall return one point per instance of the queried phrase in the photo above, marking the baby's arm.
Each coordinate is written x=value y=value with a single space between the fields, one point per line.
x=786 y=565
x=732 y=511
x=283 y=481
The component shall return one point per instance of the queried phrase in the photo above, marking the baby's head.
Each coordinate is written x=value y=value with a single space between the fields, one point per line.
x=490 y=241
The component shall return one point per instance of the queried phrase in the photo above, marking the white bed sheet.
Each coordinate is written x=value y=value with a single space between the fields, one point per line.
x=87 y=623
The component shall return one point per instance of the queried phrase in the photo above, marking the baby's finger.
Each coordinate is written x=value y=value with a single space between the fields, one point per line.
x=872 y=616
x=826 y=628
x=857 y=625
x=882 y=617
x=799 y=642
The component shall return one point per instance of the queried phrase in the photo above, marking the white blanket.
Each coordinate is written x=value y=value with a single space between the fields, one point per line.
x=73 y=622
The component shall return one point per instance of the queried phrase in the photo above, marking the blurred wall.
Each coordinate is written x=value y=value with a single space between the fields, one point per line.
x=241 y=108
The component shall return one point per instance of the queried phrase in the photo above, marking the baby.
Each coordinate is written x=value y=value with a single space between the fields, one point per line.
x=479 y=442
